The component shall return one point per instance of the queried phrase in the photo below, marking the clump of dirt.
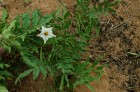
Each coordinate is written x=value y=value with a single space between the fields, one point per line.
x=118 y=43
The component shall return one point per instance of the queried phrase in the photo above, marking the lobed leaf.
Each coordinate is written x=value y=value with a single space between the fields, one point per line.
x=45 y=20
x=36 y=72
x=22 y=75
x=25 y=21
x=35 y=17
x=4 y=15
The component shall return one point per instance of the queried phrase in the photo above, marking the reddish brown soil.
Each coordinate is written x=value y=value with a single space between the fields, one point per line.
x=120 y=34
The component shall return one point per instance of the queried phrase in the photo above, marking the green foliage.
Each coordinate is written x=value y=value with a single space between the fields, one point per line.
x=88 y=15
x=3 y=72
x=4 y=75
x=60 y=58
x=83 y=73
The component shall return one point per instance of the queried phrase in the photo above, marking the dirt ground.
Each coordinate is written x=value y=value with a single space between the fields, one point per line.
x=119 y=37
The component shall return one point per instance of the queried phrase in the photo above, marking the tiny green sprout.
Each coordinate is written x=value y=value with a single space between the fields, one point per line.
x=46 y=33
x=27 y=1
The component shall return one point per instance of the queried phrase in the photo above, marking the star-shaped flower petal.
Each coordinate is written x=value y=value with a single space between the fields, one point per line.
x=46 y=33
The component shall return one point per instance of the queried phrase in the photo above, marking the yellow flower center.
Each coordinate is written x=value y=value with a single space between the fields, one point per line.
x=46 y=33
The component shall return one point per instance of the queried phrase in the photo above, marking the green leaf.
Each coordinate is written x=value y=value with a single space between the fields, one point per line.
x=7 y=47
x=34 y=48
x=62 y=82
x=25 y=21
x=15 y=43
x=90 y=87
x=81 y=66
x=3 y=88
x=7 y=31
x=35 y=18
x=5 y=73
x=97 y=31
x=67 y=80
x=22 y=75
x=6 y=65
x=4 y=15
x=1 y=66
x=18 y=23
x=30 y=30
x=2 y=78
x=23 y=36
x=57 y=12
x=36 y=40
x=36 y=72
x=45 y=20
x=78 y=1
x=43 y=71
x=28 y=61
x=78 y=82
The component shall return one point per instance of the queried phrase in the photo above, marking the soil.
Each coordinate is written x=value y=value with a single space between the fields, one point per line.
x=118 y=43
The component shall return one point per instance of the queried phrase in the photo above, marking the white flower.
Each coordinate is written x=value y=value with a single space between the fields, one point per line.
x=46 y=33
